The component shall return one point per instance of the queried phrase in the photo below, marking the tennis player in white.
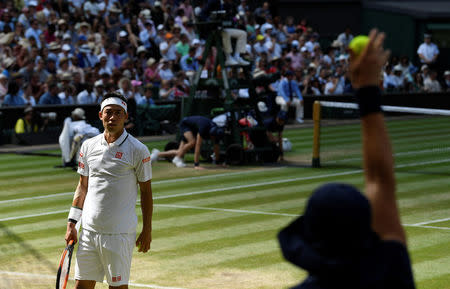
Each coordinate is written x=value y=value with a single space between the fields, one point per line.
x=111 y=166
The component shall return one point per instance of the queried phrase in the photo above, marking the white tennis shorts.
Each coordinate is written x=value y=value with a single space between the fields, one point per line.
x=104 y=254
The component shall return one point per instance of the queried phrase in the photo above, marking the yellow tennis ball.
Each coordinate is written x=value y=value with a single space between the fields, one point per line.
x=358 y=43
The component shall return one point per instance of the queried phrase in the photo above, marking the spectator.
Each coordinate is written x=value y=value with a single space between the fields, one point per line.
x=345 y=37
x=259 y=46
x=182 y=46
x=151 y=73
x=431 y=84
x=167 y=48
x=428 y=52
x=68 y=94
x=148 y=96
x=14 y=96
x=87 y=96
x=389 y=83
x=99 y=90
x=188 y=61
x=295 y=56
x=3 y=87
x=417 y=85
x=165 y=71
x=85 y=57
x=28 y=96
x=289 y=95
x=167 y=91
x=446 y=86
x=51 y=96
x=333 y=85
x=26 y=124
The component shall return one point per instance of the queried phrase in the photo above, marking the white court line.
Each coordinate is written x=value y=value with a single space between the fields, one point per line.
x=154 y=183
x=36 y=198
x=31 y=275
x=429 y=227
x=33 y=215
x=431 y=222
x=226 y=210
x=257 y=185
x=422 y=163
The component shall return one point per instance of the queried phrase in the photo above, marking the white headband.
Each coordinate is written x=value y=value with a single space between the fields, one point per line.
x=113 y=100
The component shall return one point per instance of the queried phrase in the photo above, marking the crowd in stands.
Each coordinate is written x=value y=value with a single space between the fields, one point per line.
x=73 y=52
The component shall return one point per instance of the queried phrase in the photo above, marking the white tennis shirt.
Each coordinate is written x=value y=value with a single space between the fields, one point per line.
x=114 y=171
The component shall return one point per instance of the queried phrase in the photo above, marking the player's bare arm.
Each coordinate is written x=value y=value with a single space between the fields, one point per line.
x=145 y=238
x=78 y=202
x=378 y=161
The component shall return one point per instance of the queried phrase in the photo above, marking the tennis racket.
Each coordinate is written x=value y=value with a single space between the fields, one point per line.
x=64 y=266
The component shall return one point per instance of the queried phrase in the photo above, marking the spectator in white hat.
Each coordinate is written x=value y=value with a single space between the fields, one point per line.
x=446 y=86
x=99 y=90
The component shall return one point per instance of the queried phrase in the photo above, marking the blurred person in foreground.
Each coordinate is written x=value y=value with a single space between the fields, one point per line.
x=112 y=166
x=345 y=239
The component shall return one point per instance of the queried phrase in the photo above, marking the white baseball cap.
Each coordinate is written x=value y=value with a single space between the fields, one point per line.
x=66 y=47
x=79 y=112
x=262 y=107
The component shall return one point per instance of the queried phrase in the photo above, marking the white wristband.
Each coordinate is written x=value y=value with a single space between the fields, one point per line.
x=75 y=214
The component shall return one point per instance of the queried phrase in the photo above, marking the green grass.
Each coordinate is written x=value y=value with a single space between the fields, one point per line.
x=217 y=228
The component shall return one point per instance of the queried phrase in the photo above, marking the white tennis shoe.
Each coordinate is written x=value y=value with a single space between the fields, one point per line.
x=178 y=162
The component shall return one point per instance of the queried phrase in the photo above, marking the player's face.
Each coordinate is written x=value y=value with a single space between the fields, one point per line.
x=113 y=118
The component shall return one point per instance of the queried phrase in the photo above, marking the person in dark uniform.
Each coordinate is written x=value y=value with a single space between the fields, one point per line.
x=274 y=130
x=345 y=239
x=193 y=130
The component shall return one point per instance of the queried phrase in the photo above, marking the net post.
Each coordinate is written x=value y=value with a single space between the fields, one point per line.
x=316 y=135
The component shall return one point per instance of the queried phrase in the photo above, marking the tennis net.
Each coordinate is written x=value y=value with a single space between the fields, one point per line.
x=420 y=137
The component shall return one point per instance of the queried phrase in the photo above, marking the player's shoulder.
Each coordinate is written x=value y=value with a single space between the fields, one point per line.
x=135 y=143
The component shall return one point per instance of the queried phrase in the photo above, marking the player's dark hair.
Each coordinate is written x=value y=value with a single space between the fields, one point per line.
x=114 y=94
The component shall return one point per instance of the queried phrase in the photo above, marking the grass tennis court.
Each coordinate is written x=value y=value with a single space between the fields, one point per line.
x=217 y=228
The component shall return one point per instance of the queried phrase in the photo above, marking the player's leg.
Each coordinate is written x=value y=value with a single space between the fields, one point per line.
x=170 y=153
x=119 y=287
x=88 y=267
x=117 y=250
x=187 y=144
x=84 y=284
x=190 y=143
